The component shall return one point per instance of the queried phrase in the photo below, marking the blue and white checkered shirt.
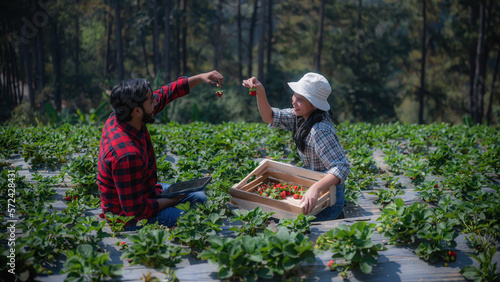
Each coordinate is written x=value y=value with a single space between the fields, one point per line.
x=323 y=151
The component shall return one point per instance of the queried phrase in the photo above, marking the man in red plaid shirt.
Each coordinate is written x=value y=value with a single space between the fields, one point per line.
x=126 y=164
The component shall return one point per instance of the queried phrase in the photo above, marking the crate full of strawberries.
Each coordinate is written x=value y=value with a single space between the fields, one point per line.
x=278 y=187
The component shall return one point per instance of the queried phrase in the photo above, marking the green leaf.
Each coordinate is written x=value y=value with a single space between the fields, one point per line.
x=469 y=271
x=225 y=273
x=365 y=267
x=85 y=250
x=265 y=273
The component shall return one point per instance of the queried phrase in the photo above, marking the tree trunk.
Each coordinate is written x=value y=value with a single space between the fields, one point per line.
x=269 y=35
x=76 y=57
x=358 y=48
x=156 y=35
x=40 y=62
x=217 y=39
x=56 y=62
x=109 y=31
x=119 y=42
x=422 y=67
x=178 y=43
x=262 y=40
x=492 y=88
x=250 y=37
x=144 y=53
x=472 y=56
x=166 y=41
x=184 y=38
x=478 y=79
x=28 y=72
x=320 y=35
x=240 y=44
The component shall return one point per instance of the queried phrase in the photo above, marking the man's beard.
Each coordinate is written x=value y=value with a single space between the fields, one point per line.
x=148 y=118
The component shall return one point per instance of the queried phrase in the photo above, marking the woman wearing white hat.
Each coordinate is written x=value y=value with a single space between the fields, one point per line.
x=314 y=135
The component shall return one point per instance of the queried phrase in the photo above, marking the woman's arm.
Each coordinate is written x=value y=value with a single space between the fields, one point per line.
x=264 y=108
x=310 y=198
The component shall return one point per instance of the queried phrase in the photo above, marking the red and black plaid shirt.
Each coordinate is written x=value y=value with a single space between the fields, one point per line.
x=127 y=166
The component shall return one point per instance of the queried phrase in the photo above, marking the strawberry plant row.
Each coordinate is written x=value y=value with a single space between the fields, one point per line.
x=464 y=160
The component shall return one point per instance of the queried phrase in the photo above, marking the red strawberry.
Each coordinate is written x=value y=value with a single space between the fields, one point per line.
x=330 y=263
x=68 y=198
x=288 y=193
x=296 y=196
x=283 y=194
x=436 y=186
x=252 y=92
x=219 y=93
x=123 y=243
x=453 y=255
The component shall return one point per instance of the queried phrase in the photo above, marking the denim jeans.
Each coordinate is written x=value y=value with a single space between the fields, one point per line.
x=333 y=212
x=168 y=216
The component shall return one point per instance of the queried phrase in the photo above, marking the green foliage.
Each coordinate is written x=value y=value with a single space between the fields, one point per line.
x=117 y=222
x=301 y=224
x=194 y=227
x=152 y=250
x=353 y=243
x=252 y=221
x=487 y=270
x=418 y=223
x=87 y=264
x=265 y=255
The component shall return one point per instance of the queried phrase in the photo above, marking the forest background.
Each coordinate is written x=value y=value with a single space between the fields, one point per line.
x=387 y=60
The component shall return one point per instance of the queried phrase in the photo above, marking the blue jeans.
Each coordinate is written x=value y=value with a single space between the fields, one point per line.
x=168 y=216
x=330 y=213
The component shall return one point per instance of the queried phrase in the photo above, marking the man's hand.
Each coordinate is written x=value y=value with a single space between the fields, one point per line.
x=169 y=202
x=210 y=78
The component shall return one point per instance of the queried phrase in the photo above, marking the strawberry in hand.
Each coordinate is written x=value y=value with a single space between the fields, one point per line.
x=219 y=92
x=252 y=91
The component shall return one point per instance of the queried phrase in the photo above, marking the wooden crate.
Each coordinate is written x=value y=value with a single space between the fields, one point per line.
x=243 y=194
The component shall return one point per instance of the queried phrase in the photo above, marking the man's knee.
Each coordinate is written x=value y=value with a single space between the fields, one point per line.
x=199 y=197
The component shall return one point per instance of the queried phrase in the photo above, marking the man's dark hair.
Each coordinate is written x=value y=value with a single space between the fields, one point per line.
x=128 y=95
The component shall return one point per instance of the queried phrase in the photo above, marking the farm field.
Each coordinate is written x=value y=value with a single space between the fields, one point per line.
x=422 y=204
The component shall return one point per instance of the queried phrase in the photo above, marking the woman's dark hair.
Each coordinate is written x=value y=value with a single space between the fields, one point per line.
x=302 y=126
x=128 y=95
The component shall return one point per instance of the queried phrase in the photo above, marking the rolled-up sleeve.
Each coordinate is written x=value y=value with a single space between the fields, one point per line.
x=331 y=154
x=128 y=178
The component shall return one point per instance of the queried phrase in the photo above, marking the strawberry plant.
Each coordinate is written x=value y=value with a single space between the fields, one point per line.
x=487 y=270
x=352 y=243
x=438 y=239
x=117 y=222
x=251 y=221
x=386 y=196
x=152 y=250
x=194 y=227
x=83 y=173
x=430 y=191
x=87 y=264
x=301 y=224
x=401 y=223
x=264 y=256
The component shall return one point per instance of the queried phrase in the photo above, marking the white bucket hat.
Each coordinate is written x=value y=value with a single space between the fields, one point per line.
x=315 y=88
